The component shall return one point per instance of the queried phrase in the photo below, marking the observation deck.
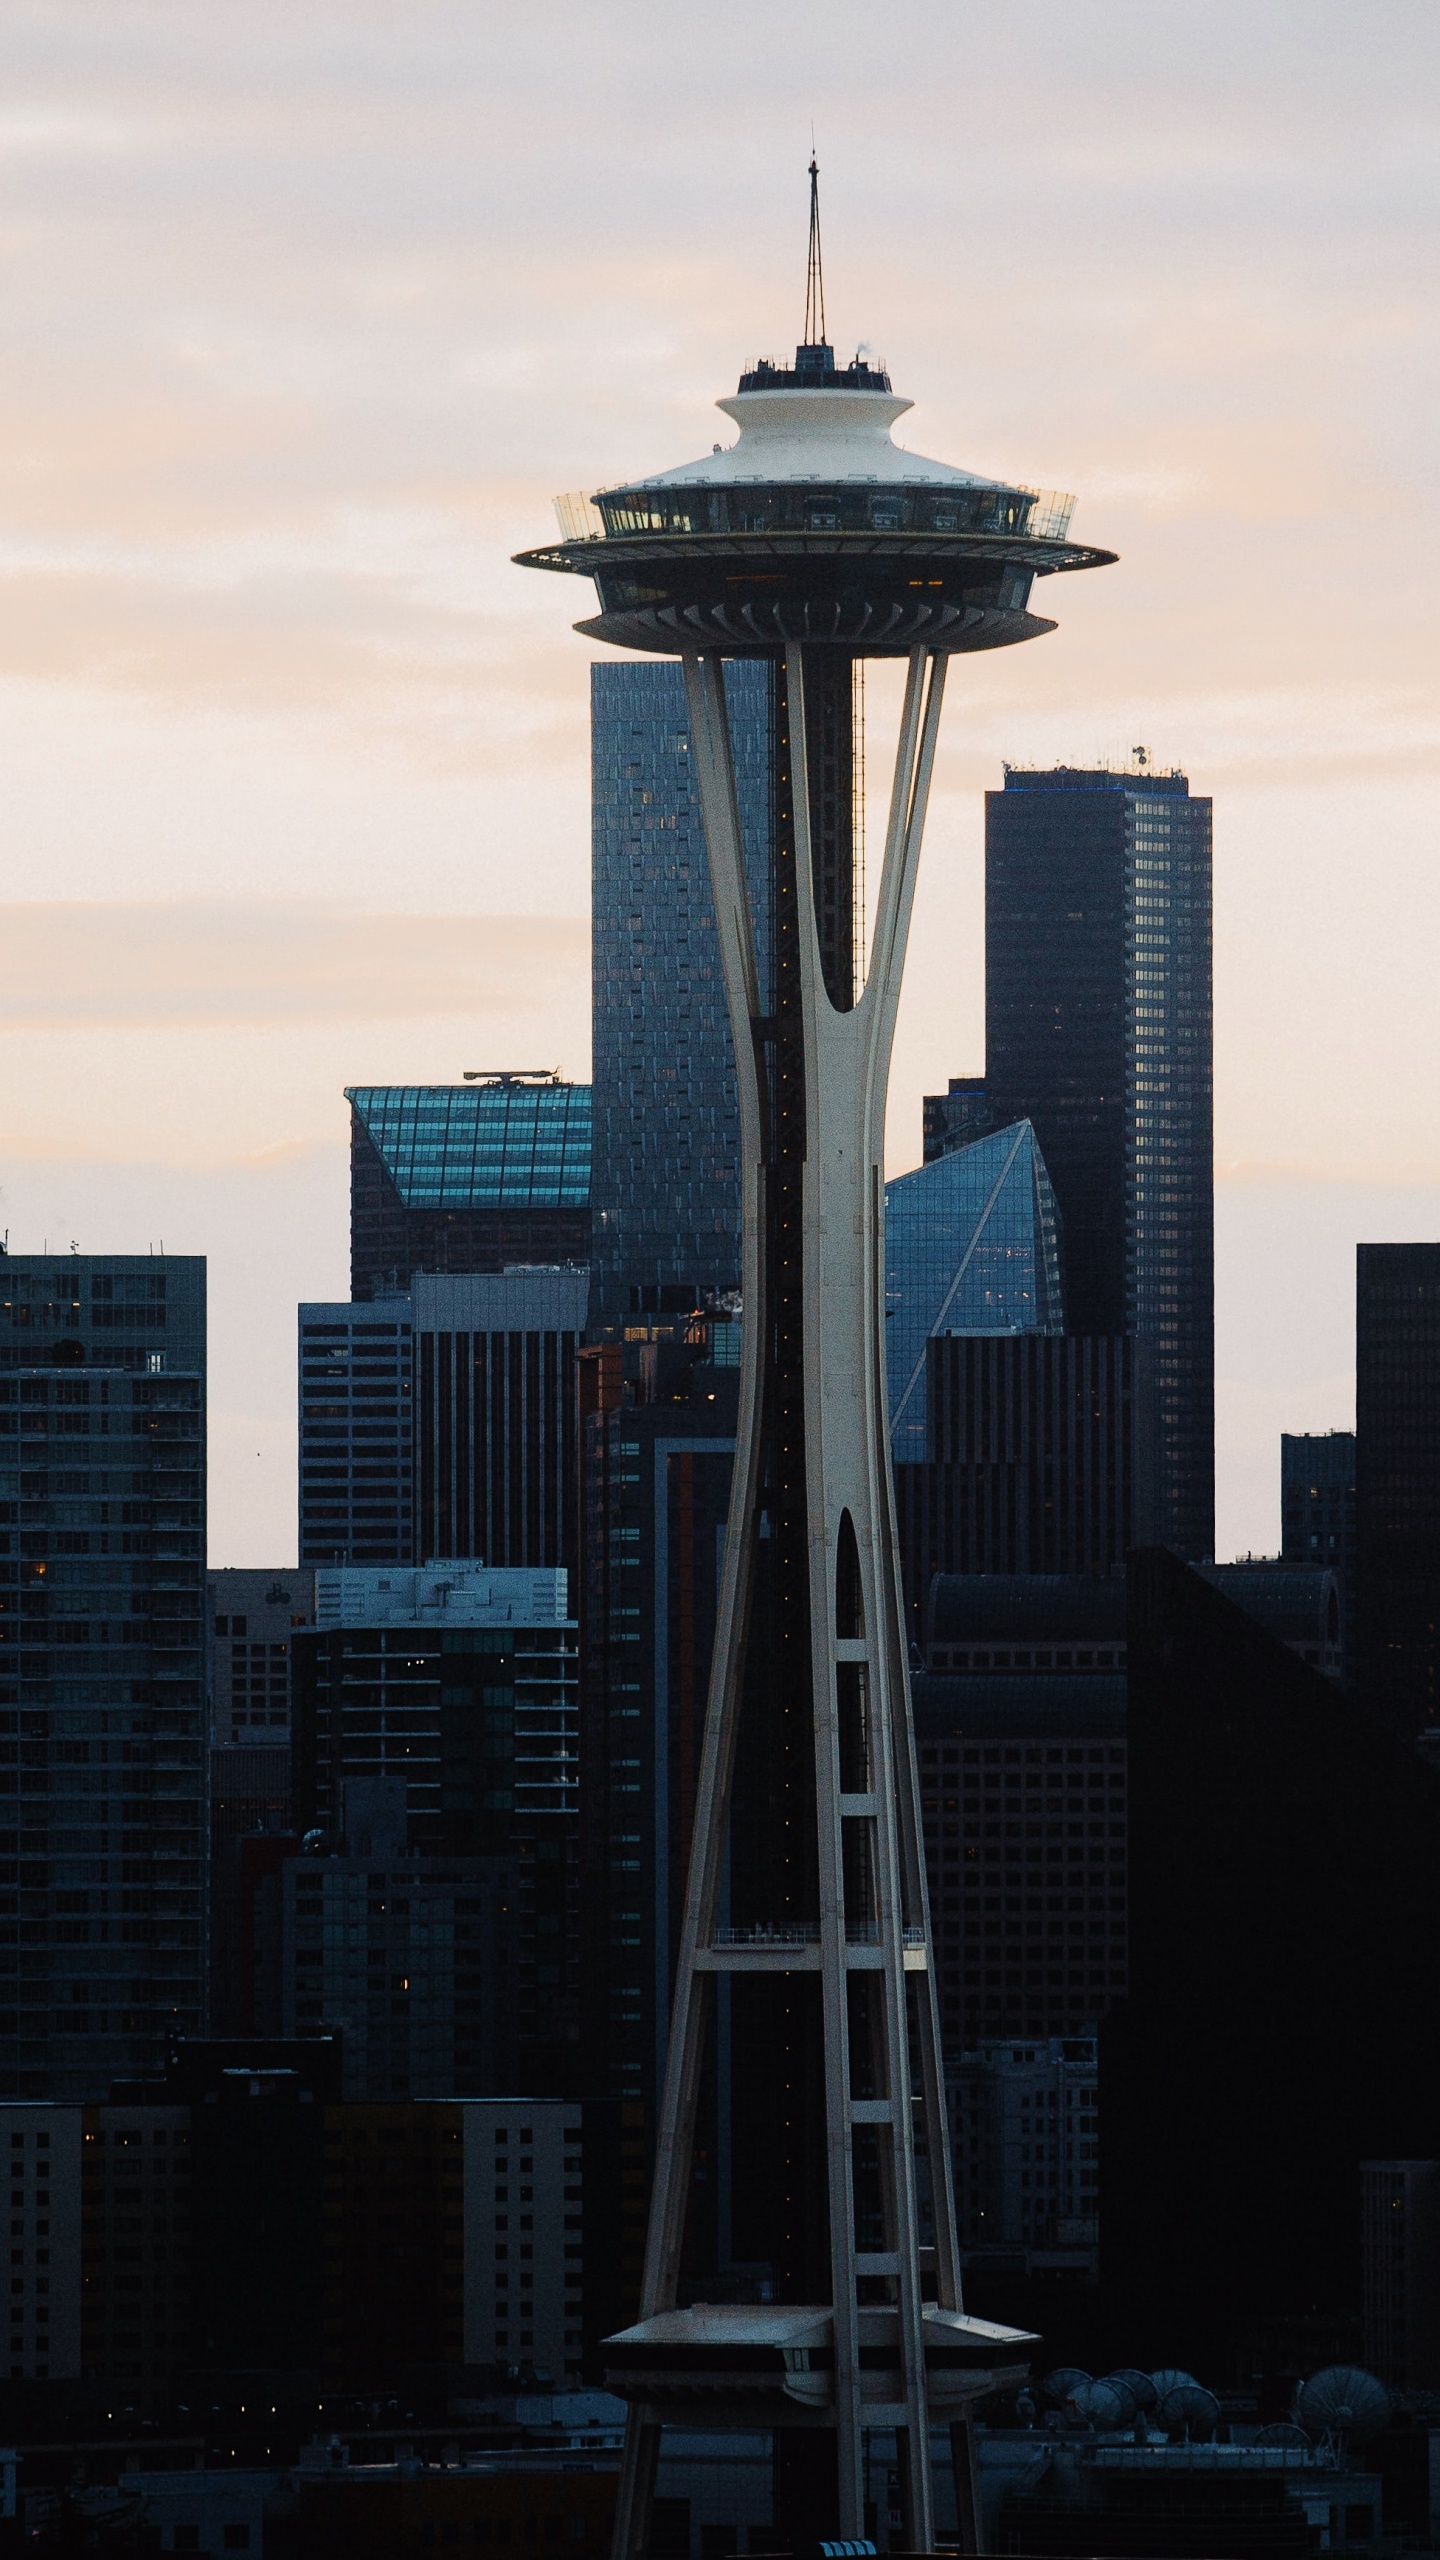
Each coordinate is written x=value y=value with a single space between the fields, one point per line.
x=815 y=527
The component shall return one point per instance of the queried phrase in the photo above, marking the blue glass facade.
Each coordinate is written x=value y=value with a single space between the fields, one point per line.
x=666 y=1189
x=466 y=1177
x=971 y=1246
x=480 y=1146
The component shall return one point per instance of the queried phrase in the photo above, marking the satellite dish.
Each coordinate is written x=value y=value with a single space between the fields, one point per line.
x=1170 y=2378
x=1057 y=2386
x=1139 y=2385
x=1195 y=2411
x=1102 y=2404
x=1343 y=2400
x=1293 y=2439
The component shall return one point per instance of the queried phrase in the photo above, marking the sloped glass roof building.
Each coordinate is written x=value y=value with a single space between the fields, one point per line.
x=466 y=1177
x=972 y=1245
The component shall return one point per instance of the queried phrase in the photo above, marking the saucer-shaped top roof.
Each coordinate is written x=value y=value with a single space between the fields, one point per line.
x=817 y=430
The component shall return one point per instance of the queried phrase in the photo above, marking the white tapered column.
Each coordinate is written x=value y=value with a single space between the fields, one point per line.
x=868 y=1830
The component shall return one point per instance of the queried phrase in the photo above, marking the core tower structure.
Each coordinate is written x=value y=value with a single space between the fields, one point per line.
x=812 y=543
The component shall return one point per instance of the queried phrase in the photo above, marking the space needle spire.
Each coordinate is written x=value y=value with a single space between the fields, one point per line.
x=804 y=1989
x=814 y=271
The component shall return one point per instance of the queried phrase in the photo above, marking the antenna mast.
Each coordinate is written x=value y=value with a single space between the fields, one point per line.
x=814 y=274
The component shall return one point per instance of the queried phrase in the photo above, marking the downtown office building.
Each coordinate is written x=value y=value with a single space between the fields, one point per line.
x=482 y=1176
x=1099 y=1031
x=666 y=1178
x=102 y=1667
x=442 y=1422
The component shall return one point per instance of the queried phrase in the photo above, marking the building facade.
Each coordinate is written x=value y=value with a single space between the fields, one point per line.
x=253 y=1614
x=495 y=1419
x=656 y=1465
x=356 y=1391
x=666 y=1189
x=971 y=1247
x=1023 y=1793
x=955 y=1118
x=1317 y=1514
x=102 y=1666
x=466 y=1177
x=411 y=1960
x=137 y=2263
x=1397 y=1481
x=1026 y=2127
x=1042 y=1459
x=459 y=1687
x=1099 y=1031
x=1284 y=1842
x=41 y=2145
x=1400 y=2271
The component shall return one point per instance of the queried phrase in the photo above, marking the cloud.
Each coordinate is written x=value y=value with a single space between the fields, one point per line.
x=260 y=965
x=308 y=312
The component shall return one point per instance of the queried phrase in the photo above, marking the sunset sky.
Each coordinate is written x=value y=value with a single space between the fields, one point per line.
x=308 y=311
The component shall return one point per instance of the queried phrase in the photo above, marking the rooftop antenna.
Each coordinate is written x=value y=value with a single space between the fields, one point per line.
x=814 y=274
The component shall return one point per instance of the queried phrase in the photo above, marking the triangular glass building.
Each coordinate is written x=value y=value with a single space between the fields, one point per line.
x=971 y=1246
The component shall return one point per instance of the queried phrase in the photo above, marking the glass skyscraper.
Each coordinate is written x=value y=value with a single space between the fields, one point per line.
x=970 y=1247
x=102 y=1667
x=1098 y=1029
x=466 y=1177
x=666 y=1184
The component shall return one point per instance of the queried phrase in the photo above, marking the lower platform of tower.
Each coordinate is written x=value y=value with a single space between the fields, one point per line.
x=754 y=2366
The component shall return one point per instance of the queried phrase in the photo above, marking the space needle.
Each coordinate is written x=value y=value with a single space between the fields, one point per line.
x=812 y=543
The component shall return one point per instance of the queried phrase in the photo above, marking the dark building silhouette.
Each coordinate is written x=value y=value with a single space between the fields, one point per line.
x=1283 y=2023
x=1317 y=1515
x=1042 y=1459
x=956 y=1118
x=102 y=1665
x=1021 y=1741
x=494 y=1414
x=666 y=1124
x=436 y=1717
x=1397 y=1481
x=1298 y=1603
x=1025 y=1622
x=350 y=1926
x=229 y=2225
x=655 y=1490
x=1098 y=1029
x=1400 y=2271
x=466 y=1177
x=257 y=2153
x=249 y=1819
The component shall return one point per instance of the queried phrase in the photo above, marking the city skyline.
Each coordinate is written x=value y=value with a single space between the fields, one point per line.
x=286 y=757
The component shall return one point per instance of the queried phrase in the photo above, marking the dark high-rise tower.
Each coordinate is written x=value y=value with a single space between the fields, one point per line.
x=808 y=545
x=1397 y=1481
x=102 y=1665
x=1098 y=1029
x=1317 y=1514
